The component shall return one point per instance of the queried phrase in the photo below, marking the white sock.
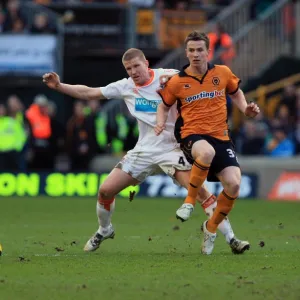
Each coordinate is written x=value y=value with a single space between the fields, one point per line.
x=209 y=206
x=104 y=217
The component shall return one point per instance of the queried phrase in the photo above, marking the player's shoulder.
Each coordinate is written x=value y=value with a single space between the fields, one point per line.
x=222 y=68
x=125 y=82
x=169 y=72
x=175 y=79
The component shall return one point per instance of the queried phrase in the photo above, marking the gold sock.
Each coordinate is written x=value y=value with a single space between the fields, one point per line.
x=198 y=175
x=224 y=205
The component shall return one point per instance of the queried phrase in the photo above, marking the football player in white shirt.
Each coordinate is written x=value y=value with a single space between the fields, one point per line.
x=152 y=154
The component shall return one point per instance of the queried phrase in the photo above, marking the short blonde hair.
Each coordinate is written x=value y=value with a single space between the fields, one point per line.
x=133 y=53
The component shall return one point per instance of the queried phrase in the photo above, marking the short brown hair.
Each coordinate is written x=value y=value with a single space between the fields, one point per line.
x=197 y=36
x=133 y=53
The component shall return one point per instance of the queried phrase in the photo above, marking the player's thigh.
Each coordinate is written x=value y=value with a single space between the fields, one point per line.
x=203 y=150
x=172 y=162
x=116 y=181
x=138 y=165
x=196 y=146
x=230 y=178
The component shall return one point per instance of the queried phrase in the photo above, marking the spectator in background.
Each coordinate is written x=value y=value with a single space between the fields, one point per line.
x=16 y=111
x=289 y=99
x=284 y=118
x=97 y=123
x=220 y=40
x=2 y=20
x=278 y=144
x=15 y=21
x=11 y=141
x=251 y=139
x=57 y=139
x=41 y=25
x=40 y=122
x=79 y=139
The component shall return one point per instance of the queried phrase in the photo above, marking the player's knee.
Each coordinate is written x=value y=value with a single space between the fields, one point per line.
x=203 y=151
x=206 y=155
x=233 y=188
x=104 y=194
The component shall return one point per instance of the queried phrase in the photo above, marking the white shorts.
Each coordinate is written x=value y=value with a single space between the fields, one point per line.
x=140 y=165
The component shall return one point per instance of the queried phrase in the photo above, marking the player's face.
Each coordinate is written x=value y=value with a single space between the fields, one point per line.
x=137 y=69
x=197 y=53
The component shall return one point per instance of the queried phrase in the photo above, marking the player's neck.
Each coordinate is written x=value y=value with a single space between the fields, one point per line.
x=197 y=69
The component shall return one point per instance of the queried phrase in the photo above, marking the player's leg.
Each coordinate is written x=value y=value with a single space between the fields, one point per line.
x=116 y=181
x=202 y=153
x=209 y=204
x=227 y=169
x=230 y=178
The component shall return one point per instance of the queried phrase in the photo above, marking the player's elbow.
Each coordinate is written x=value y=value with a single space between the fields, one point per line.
x=163 y=107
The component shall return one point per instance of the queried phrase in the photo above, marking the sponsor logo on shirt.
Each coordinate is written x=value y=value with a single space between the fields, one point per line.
x=205 y=95
x=144 y=105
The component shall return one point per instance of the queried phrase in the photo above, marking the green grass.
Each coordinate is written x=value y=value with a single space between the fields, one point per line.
x=148 y=259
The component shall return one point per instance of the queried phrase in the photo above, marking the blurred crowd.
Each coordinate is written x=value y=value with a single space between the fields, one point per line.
x=277 y=135
x=34 y=139
x=14 y=20
x=147 y=3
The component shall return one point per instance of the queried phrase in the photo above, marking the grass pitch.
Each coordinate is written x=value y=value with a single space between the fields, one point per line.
x=153 y=255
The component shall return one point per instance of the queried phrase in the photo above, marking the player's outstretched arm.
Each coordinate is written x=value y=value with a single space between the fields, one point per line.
x=249 y=110
x=161 y=118
x=82 y=92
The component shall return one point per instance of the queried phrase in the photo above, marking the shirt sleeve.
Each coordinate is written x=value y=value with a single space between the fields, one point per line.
x=168 y=93
x=169 y=72
x=114 y=90
x=233 y=83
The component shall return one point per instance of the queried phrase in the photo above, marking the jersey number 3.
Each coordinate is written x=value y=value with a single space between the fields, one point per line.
x=230 y=153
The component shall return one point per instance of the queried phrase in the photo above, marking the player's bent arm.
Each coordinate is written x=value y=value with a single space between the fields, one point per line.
x=250 y=110
x=82 y=92
x=161 y=118
x=238 y=98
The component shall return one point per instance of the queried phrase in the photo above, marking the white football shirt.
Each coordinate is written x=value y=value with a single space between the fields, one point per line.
x=142 y=102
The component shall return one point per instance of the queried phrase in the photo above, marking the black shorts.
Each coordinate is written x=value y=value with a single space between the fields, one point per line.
x=225 y=154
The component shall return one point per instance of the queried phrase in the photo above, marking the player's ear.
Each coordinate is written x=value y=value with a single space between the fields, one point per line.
x=147 y=63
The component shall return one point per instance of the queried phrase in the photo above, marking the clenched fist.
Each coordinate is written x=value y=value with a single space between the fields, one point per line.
x=52 y=80
x=252 y=110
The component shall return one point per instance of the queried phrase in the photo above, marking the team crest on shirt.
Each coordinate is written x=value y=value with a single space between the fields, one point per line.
x=215 y=80
x=187 y=86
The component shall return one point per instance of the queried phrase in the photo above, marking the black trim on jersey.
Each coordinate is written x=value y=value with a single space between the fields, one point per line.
x=178 y=123
x=236 y=88
x=162 y=98
x=183 y=74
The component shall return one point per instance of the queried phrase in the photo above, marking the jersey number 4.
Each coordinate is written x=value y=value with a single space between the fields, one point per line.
x=181 y=161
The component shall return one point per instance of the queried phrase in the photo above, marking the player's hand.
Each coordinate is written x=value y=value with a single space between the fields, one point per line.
x=252 y=110
x=159 y=128
x=52 y=80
